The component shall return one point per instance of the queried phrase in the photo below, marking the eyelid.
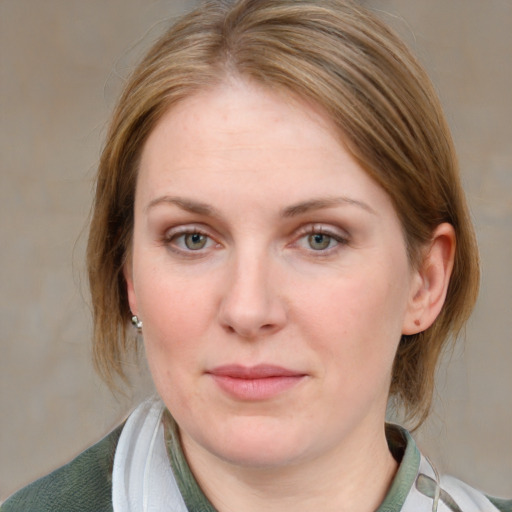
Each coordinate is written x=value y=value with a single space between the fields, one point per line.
x=325 y=229
x=181 y=229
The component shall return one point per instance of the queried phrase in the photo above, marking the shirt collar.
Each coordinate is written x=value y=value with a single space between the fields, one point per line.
x=405 y=451
x=400 y=442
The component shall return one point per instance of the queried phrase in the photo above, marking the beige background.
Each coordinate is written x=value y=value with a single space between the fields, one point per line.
x=62 y=65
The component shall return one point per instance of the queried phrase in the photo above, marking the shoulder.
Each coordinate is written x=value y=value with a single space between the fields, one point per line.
x=84 y=484
x=418 y=485
x=500 y=504
x=453 y=489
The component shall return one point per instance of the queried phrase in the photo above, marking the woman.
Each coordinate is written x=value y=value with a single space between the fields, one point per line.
x=279 y=214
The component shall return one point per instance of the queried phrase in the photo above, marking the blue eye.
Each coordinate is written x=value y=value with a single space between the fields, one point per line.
x=194 y=241
x=320 y=241
x=188 y=241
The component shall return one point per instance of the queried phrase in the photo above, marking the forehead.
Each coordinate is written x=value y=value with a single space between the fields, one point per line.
x=241 y=118
x=243 y=137
x=237 y=108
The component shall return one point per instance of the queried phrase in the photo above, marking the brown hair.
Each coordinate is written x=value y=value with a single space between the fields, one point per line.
x=341 y=57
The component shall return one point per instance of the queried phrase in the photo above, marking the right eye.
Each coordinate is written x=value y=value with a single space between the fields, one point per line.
x=188 y=241
x=194 y=241
x=321 y=241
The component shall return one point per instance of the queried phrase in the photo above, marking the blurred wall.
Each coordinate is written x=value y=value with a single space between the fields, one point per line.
x=62 y=63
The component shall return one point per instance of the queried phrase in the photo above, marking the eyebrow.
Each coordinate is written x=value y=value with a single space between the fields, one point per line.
x=188 y=205
x=300 y=208
x=324 y=202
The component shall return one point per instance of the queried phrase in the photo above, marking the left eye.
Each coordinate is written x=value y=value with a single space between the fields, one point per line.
x=321 y=241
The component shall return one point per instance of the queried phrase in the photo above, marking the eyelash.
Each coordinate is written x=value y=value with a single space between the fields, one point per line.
x=170 y=239
x=314 y=230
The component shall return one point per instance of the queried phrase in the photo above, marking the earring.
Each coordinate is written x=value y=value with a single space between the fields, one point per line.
x=137 y=323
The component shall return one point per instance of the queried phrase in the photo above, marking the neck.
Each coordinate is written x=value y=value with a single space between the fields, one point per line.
x=356 y=476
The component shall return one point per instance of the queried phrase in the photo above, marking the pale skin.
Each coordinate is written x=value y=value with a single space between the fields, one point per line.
x=259 y=240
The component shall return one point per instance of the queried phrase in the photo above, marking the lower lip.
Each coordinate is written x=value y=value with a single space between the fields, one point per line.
x=256 y=389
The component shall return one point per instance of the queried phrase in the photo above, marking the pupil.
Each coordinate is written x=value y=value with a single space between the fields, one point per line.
x=319 y=241
x=195 y=241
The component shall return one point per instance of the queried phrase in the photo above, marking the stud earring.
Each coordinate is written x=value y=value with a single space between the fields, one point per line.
x=137 y=323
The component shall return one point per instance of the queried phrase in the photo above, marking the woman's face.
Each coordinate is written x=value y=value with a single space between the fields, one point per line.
x=271 y=276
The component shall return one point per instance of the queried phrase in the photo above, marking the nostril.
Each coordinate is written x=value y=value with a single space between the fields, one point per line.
x=249 y=309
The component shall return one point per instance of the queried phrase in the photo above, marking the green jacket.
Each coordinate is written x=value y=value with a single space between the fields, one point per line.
x=85 y=484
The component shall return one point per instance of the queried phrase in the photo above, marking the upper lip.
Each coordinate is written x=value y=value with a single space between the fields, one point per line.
x=260 y=371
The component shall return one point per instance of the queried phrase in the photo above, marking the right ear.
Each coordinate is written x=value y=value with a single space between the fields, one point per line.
x=130 y=289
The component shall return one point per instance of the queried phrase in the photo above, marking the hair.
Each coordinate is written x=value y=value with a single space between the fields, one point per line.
x=344 y=59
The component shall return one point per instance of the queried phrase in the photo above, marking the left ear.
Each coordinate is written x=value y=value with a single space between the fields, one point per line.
x=430 y=281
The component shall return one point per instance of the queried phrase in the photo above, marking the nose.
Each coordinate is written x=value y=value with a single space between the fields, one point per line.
x=251 y=305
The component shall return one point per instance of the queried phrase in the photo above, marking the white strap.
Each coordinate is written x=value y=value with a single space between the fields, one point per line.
x=466 y=498
x=142 y=480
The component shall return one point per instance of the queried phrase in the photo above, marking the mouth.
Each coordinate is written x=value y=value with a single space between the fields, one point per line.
x=255 y=383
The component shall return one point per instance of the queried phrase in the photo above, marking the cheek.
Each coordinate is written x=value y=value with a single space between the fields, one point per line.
x=171 y=301
x=172 y=340
x=175 y=313
x=357 y=322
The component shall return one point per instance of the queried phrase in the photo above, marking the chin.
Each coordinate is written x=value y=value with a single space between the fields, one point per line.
x=259 y=455
x=254 y=444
